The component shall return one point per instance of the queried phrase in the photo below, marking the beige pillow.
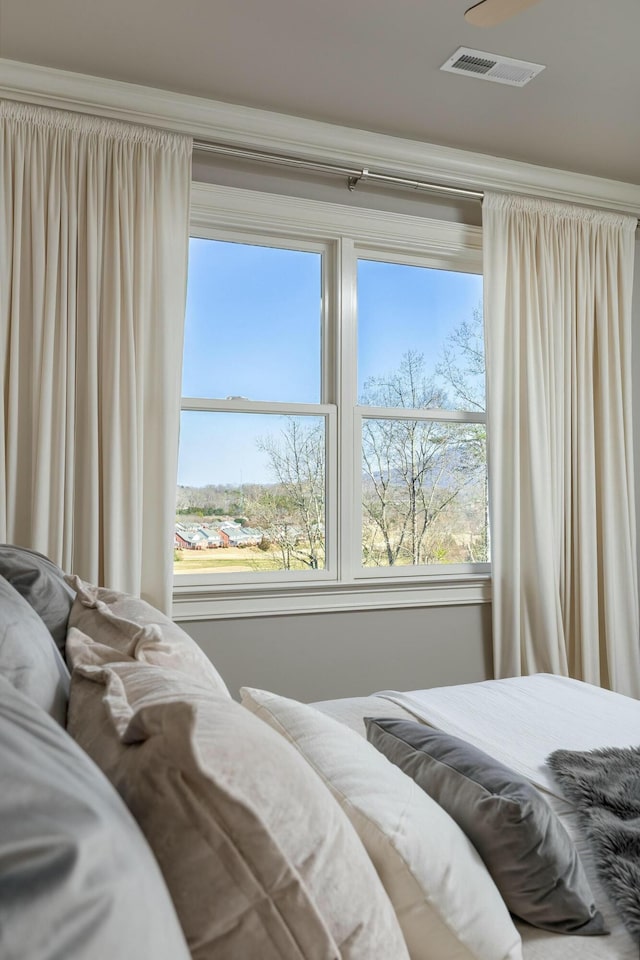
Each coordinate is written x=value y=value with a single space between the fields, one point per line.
x=258 y=857
x=446 y=902
x=138 y=631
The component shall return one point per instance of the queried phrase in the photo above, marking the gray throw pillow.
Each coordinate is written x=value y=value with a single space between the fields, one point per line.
x=527 y=851
x=29 y=658
x=77 y=879
x=41 y=583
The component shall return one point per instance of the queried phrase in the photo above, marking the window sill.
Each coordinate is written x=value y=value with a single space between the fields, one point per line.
x=214 y=603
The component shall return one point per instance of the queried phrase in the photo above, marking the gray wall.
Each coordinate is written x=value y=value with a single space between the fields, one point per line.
x=272 y=179
x=327 y=655
x=322 y=656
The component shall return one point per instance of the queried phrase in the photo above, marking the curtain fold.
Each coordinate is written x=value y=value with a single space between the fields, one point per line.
x=558 y=283
x=94 y=221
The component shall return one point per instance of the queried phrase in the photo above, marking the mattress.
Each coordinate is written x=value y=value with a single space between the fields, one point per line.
x=520 y=721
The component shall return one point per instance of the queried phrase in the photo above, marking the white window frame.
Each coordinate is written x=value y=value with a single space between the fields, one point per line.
x=344 y=234
x=324 y=409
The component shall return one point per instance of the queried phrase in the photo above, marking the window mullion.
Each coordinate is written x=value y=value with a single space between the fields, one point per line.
x=240 y=405
x=330 y=353
x=349 y=510
x=423 y=413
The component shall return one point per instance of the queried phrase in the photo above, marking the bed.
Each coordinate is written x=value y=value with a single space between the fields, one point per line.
x=521 y=721
x=145 y=813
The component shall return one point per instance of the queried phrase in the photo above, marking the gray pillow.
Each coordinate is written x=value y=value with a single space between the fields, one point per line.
x=526 y=849
x=77 y=879
x=29 y=658
x=41 y=583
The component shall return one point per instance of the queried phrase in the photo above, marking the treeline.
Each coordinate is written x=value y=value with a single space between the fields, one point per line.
x=214 y=500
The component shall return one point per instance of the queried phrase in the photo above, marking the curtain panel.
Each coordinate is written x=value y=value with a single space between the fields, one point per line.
x=94 y=221
x=558 y=282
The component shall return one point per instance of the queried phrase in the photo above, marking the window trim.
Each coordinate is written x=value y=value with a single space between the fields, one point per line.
x=199 y=603
x=245 y=215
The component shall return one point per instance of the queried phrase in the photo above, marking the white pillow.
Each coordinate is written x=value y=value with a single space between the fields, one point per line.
x=137 y=631
x=445 y=900
x=259 y=858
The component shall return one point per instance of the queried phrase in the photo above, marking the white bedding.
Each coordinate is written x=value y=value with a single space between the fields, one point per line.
x=520 y=721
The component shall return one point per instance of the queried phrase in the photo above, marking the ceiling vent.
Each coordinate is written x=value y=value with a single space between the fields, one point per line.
x=488 y=66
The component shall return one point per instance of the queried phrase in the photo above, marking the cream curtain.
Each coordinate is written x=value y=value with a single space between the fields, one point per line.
x=558 y=283
x=94 y=221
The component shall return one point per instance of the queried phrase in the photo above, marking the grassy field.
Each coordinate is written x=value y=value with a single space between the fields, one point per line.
x=227 y=560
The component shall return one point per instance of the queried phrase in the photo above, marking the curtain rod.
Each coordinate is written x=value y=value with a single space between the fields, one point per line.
x=354 y=175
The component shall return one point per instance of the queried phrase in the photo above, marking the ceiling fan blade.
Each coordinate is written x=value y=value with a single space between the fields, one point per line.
x=489 y=13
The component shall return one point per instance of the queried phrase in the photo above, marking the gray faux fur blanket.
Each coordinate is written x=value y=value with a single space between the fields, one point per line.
x=604 y=786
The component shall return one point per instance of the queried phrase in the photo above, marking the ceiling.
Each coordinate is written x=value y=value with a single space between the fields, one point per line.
x=372 y=64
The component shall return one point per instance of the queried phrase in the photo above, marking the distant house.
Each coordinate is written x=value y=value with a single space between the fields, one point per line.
x=255 y=536
x=199 y=540
x=240 y=536
x=229 y=525
x=233 y=536
x=190 y=539
x=224 y=536
x=213 y=538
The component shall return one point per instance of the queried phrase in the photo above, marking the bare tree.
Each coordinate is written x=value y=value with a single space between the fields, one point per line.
x=414 y=471
x=461 y=367
x=272 y=511
x=292 y=513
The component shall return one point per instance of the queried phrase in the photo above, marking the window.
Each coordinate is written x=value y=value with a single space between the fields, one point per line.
x=332 y=446
x=252 y=472
x=421 y=391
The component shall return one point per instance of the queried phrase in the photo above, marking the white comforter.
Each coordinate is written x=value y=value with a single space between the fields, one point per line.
x=520 y=721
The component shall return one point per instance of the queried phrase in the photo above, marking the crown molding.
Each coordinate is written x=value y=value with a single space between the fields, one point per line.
x=279 y=133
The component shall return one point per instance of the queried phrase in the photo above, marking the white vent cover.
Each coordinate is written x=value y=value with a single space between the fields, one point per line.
x=489 y=66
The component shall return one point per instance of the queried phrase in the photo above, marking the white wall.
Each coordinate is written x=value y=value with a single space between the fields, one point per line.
x=322 y=656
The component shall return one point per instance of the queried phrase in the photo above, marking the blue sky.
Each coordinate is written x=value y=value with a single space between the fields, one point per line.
x=253 y=330
x=403 y=307
x=252 y=323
